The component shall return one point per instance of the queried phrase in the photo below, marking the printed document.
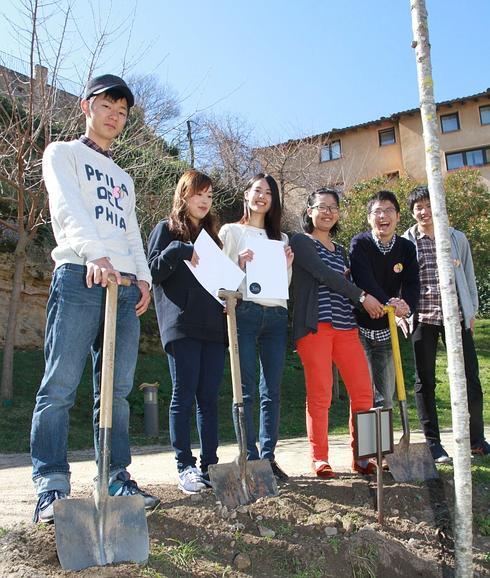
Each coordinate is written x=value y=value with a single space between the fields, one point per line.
x=267 y=273
x=215 y=270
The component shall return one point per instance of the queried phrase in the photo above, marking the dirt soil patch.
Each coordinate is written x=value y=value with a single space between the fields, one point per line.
x=313 y=528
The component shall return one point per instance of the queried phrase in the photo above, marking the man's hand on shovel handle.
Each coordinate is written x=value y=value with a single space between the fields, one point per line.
x=98 y=272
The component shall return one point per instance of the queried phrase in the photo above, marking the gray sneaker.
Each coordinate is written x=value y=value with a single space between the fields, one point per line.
x=44 y=512
x=205 y=479
x=190 y=481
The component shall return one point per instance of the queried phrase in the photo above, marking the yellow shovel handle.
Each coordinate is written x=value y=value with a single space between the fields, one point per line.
x=395 y=346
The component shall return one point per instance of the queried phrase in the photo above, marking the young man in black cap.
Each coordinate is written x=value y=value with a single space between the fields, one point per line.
x=92 y=205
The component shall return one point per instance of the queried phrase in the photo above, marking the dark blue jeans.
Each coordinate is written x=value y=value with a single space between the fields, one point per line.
x=424 y=341
x=264 y=328
x=196 y=368
x=74 y=328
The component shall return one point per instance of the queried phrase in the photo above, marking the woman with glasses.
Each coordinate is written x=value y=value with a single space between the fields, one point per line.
x=324 y=328
x=261 y=323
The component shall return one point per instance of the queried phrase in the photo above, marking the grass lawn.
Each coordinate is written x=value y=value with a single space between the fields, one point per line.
x=15 y=420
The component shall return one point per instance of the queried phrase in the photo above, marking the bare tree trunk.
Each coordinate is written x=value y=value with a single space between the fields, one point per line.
x=191 y=142
x=6 y=387
x=457 y=379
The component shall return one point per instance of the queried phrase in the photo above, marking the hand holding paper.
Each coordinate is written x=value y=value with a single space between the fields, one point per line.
x=267 y=273
x=213 y=269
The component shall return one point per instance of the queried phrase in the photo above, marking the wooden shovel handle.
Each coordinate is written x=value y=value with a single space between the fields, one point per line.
x=226 y=294
x=109 y=350
x=231 y=298
x=108 y=353
x=395 y=346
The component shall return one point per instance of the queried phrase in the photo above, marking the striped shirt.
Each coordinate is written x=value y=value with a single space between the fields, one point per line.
x=332 y=307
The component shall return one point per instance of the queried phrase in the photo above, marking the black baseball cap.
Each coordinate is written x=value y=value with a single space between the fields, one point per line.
x=100 y=84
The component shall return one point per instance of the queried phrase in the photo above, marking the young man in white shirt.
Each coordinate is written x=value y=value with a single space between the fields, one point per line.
x=92 y=206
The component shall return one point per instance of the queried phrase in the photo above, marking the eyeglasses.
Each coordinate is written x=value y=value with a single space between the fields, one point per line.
x=334 y=209
x=388 y=211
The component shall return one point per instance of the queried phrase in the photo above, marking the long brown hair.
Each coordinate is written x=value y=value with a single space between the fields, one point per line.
x=272 y=221
x=191 y=183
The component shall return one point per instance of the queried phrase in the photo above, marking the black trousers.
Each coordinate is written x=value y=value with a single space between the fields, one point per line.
x=424 y=342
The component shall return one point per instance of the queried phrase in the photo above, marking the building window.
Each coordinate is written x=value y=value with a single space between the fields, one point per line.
x=485 y=114
x=386 y=136
x=470 y=158
x=450 y=122
x=393 y=175
x=330 y=152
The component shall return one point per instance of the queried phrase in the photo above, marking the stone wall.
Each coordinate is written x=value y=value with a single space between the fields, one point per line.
x=32 y=310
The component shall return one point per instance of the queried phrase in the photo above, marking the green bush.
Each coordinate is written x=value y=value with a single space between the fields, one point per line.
x=468 y=207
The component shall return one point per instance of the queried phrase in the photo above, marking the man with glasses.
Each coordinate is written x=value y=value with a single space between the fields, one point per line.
x=385 y=266
x=428 y=325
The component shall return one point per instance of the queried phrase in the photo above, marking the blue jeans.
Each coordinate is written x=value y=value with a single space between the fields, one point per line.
x=196 y=368
x=74 y=328
x=265 y=328
x=382 y=369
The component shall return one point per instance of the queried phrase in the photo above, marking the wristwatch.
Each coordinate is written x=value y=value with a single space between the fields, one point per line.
x=362 y=297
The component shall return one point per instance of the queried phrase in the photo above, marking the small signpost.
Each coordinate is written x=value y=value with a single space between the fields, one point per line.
x=373 y=434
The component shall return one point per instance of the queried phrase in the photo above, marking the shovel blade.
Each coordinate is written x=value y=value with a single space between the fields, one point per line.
x=411 y=462
x=87 y=536
x=233 y=489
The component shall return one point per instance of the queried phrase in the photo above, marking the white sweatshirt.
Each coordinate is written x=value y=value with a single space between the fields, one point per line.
x=234 y=237
x=92 y=205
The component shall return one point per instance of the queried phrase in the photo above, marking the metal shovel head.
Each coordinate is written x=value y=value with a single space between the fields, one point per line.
x=232 y=488
x=411 y=462
x=87 y=536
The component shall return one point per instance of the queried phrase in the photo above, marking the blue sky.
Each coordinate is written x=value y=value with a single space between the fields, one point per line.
x=289 y=68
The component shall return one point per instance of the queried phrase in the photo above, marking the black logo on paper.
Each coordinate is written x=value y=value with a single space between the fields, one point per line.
x=255 y=288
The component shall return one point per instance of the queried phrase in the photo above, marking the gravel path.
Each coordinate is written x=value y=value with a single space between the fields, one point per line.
x=154 y=465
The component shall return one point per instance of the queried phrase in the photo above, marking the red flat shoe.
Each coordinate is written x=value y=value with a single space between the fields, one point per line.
x=368 y=470
x=323 y=470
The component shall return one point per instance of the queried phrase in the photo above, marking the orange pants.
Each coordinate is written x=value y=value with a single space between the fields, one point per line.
x=317 y=352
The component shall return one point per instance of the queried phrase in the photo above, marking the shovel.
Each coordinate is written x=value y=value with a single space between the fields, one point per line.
x=242 y=481
x=103 y=529
x=408 y=462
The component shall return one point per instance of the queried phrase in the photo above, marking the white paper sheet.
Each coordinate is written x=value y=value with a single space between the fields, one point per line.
x=267 y=273
x=215 y=270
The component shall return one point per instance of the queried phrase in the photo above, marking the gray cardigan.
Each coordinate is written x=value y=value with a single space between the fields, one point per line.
x=309 y=271
x=464 y=273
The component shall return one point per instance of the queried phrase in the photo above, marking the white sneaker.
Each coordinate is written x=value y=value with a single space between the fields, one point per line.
x=190 y=481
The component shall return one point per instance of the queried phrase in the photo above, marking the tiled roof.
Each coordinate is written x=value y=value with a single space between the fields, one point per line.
x=392 y=117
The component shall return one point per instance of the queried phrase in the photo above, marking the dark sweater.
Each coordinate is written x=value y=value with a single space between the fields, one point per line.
x=309 y=271
x=380 y=275
x=184 y=308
